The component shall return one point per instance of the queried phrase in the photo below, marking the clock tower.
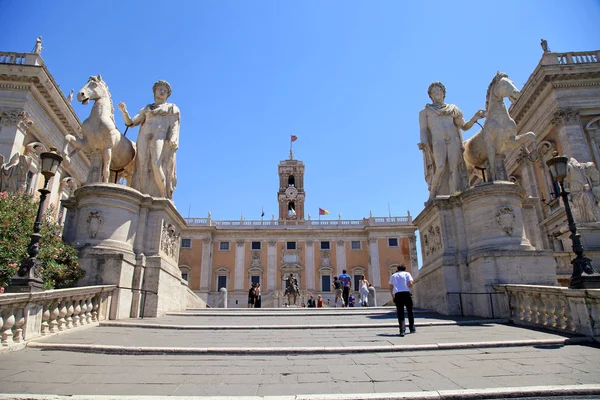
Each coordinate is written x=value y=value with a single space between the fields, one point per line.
x=291 y=190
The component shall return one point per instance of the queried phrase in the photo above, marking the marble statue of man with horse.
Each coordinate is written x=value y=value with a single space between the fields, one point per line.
x=450 y=161
x=148 y=165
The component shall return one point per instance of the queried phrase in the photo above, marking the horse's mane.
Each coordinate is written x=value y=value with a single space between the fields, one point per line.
x=499 y=75
x=112 y=107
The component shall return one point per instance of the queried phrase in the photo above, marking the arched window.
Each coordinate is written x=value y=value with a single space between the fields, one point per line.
x=291 y=181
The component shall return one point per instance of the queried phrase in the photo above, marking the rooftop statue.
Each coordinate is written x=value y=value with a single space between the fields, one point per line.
x=499 y=132
x=442 y=144
x=101 y=136
x=37 y=49
x=157 y=143
x=544 y=44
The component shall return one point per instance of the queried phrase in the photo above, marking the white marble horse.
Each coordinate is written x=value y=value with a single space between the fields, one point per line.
x=499 y=132
x=101 y=136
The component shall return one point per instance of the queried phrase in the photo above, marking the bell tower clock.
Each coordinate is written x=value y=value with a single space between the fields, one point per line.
x=291 y=190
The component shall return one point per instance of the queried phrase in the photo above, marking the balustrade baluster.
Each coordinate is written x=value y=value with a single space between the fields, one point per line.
x=19 y=322
x=528 y=312
x=76 y=311
x=54 y=313
x=88 y=309
x=82 y=315
x=554 y=309
x=95 y=308
x=543 y=310
x=62 y=321
x=70 y=311
x=6 y=334
x=45 y=317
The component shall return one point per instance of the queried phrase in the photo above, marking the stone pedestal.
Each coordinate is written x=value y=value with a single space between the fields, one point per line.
x=130 y=240
x=470 y=242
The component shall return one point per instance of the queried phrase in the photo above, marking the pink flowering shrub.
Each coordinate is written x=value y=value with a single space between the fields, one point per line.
x=59 y=262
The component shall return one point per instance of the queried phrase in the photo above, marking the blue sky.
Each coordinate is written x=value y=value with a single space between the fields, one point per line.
x=347 y=77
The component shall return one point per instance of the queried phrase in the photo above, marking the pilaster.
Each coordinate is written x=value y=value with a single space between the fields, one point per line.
x=13 y=129
x=239 y=265
x=309 y=256
x=340 y=255
x=571 y=134
x=375 y=269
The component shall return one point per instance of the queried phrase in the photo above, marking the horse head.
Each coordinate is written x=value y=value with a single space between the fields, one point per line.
x=94 y=89
x=502 y=87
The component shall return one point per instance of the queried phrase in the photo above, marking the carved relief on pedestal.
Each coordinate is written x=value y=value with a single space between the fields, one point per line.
x=505 y=217
x=169 y=241
x=432 y=240
x=94 y=221
x=413 y=250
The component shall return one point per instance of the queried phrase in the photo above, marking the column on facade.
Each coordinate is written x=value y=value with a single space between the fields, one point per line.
x=309 y=256
x=206 y=265
x=271 y=265
x=374 y=261
x=239 y=265
x=571 y=134
x=530 y=183
x=340 y=255
x=13 y=129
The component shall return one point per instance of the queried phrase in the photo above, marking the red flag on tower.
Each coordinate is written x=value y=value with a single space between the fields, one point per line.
x=323 y=211
x=294 y=138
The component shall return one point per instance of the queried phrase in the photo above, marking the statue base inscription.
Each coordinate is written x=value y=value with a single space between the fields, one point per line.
x=471 y=241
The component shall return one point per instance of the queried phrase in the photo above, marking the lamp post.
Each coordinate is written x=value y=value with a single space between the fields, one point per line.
x=25 y=279
x=558 y=166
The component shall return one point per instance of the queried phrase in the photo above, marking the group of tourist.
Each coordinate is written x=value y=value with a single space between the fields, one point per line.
x=254 y=296
x=342 y=285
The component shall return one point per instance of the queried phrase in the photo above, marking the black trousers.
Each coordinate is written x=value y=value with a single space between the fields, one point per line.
x=404 y=299
x=346 y=294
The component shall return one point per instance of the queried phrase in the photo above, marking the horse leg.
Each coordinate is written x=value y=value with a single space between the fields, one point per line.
x=491 y=150
x=106 y=158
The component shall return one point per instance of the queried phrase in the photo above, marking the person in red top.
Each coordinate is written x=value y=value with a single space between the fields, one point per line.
x=319 y=301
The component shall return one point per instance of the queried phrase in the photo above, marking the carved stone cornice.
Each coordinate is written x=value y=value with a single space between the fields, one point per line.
x=566 y=116
x=16 y=117
x=557 y=80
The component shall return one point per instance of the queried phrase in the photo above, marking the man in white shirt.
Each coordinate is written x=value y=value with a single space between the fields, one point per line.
x=400 y=284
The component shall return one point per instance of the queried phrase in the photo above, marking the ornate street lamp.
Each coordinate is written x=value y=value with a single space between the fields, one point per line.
x=25 y=279
x=558 y=171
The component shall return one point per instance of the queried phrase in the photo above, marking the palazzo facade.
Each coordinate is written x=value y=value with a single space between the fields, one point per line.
x=35 y=115
x=560 y=103
x=233 y=254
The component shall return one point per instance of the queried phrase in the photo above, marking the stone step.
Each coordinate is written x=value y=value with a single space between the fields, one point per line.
x=565 y=392
x=151 y=325
x=283 y=350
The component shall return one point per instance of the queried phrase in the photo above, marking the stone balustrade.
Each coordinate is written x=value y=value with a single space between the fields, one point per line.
x=559 y=308
x=582 y=57
x=241 y=224
x=25 y=316
x=7 y=57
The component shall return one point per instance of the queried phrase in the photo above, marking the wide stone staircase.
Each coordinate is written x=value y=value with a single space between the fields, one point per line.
x=298 y=353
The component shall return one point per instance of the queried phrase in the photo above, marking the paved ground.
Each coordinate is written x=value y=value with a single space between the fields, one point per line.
x=75 y=373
